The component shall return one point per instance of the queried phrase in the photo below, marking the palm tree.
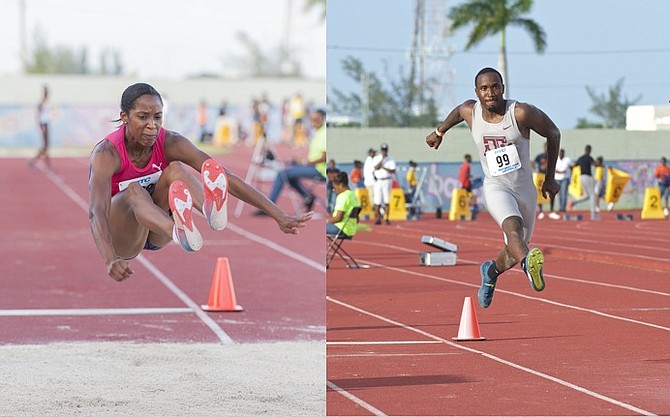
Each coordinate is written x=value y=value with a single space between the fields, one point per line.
x=316 y=4
x=491 y=17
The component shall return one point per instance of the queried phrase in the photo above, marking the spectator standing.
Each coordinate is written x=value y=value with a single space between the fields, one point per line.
x=297 y=110
x=662 y=175
x=541 y=167
x=385 y=167
x=585 y=162
x=356 y=174
x=599 y=180
x=410 y=193
x=369 y=173
x=465 y=179
x=43 y=119
x=412 y=180
x=464 y=173
x=562 y=176
x=201 y=119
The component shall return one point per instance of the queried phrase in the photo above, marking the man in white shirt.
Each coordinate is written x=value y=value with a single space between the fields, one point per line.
x=562 y=177
x=385 y=167
x=368 y=174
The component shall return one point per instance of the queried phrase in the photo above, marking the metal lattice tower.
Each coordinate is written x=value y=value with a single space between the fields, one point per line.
x=432 y=51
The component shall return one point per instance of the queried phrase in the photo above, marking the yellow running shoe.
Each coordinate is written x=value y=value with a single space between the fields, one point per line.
x=533 y=268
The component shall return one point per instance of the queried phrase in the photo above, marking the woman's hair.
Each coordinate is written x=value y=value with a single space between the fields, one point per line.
x=341 y=178
x=132 y=93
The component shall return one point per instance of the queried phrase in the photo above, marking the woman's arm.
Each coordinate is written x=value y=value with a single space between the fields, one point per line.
x=180 y=148
x=104 y=162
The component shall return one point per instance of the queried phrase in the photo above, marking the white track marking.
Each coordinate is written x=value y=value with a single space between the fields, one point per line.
x=388 y=342
x=91 y=311
x=355 y=399
x=321 y=267
x=493 y=357
x=543 y=300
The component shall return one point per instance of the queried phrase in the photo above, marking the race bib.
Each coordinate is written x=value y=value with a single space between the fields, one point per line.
x=144 y=181
x=503 y=160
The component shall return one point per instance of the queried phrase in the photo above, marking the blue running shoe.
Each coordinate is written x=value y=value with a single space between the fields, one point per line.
x=485 y=294
x=533 y=269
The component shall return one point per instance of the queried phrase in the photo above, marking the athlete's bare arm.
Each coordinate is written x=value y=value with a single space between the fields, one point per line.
x=105 y=162
x=460 y=113
x=529 y=117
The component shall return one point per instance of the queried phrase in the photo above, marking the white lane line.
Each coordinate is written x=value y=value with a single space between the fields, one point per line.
x=213 y=326
x=389 y=355
x=543 y=300
x=389 y=342
x=91 y=311
x=319 y=266
x=354 y=399
x=605 y=284
x=495 y=358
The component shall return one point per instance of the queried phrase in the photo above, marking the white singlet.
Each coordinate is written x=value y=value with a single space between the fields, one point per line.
x=508 y=176
x=44 y=114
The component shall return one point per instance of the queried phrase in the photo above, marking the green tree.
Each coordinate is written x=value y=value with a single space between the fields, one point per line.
x=316 y=4
x=378 y=105
x=610 y=107
x=279 y=61
x=44 y=59
x=492 y=17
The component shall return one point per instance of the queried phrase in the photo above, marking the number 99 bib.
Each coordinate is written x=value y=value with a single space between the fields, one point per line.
x=503 y=160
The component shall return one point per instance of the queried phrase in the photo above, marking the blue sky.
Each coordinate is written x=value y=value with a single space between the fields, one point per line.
x=589 y=43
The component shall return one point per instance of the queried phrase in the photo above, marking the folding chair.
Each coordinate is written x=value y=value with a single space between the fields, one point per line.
x=335 y=245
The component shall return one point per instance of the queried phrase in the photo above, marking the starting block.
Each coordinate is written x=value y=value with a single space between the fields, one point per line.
x=446 y=255
x=573 y=217
x=627 y=217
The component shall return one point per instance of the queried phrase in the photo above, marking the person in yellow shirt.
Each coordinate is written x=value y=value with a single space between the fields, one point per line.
x=412 y=182
x=662 y=175
x=346 y=201
x=599 y=177
x=315 y=167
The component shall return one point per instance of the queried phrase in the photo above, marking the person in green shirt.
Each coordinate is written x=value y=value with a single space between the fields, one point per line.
x=315 y=167
x=346 y=200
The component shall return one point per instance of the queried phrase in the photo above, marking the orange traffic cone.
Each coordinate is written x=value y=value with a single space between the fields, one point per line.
x=469 y=328
x=222 y=293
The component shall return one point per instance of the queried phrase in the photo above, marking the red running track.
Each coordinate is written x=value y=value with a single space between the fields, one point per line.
x=596 y=341
x=55 y=287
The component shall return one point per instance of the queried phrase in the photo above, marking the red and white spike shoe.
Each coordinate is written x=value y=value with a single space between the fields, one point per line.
x=215 y=184
x=184 y=233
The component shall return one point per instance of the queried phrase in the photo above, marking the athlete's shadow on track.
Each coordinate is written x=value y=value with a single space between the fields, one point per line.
x=502 y=339
x=398 y=381
x=423 y=326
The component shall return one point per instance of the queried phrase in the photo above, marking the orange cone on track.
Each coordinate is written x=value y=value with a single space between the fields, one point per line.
x=469 y=328
x=222 y=293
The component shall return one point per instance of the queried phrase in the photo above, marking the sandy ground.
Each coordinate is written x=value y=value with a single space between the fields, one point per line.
x=112 y=379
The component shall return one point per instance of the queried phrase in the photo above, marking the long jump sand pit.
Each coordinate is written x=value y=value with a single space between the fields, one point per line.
x=133 y=379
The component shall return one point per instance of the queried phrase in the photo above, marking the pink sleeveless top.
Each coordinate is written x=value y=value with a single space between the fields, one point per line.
x=129 y=173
